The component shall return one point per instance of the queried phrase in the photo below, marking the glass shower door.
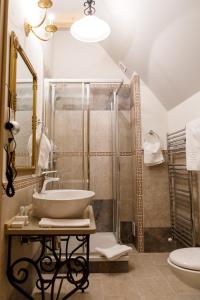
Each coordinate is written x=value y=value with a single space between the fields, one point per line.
x=85 y=132
x=69 y=135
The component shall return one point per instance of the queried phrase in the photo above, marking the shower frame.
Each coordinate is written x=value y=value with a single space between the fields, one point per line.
x=50 y=85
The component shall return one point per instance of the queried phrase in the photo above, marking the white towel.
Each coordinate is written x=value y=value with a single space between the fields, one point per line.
x=44 y=151
x=193 y=145
x=45 y=148
x=64 y=223
x=152 y=150
x=114 y=252
x=30 y=142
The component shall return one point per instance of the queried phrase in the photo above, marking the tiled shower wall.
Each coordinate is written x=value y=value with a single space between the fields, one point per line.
x=151 y=207
x=101 y=165
x=126 y=165
x=68 y=151
x=138 y=208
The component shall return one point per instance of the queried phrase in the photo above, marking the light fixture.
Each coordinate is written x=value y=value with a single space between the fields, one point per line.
x=90 y=28
x=50 y=28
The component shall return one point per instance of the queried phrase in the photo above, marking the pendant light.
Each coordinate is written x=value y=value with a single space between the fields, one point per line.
x=90 y=29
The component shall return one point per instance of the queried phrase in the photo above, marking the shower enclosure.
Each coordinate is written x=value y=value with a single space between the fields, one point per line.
x=83 y=124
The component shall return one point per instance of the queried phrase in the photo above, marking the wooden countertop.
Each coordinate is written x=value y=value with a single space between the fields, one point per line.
x=33 y=228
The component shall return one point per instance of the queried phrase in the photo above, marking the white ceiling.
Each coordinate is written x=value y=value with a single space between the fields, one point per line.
x=159 y=39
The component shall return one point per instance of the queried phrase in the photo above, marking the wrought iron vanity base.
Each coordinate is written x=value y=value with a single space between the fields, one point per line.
x=50 y=261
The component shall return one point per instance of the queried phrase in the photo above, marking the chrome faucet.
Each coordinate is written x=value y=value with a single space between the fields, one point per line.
x=48 y=180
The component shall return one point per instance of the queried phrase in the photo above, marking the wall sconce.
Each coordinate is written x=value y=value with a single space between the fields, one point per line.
x=50 y=28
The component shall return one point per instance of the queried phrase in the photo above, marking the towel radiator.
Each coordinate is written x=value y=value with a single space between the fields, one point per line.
x=181 y=183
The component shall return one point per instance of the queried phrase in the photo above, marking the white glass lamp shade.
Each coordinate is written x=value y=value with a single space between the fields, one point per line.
x=90 y=29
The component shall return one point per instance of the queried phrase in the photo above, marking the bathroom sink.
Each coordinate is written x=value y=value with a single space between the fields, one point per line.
x=61 y=204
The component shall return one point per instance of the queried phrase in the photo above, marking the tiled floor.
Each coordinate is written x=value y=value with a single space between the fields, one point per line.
x=149 y=278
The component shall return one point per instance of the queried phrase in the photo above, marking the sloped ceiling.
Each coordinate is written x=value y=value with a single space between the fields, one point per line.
x=158 y=39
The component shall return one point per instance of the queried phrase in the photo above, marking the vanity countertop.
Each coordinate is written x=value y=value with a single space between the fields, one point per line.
x=33 y=228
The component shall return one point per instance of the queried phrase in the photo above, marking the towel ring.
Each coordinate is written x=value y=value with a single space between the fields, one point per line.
x=152 y=132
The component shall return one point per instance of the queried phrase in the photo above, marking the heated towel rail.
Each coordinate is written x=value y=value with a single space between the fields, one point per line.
x=181 y=190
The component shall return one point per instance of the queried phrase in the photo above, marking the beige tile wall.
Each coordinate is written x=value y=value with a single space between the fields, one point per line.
x=126 y=188
x=125 y=131
x=100 y=131
x=70 y=171
x=126 y=171
x=156 y=196
x=69 y=141
x=68 y=130
x=101 y=177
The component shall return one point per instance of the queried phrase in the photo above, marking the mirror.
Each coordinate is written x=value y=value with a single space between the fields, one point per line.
x=23 y=94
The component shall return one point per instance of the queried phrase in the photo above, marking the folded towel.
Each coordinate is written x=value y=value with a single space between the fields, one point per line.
x=152 y=150
x=49 y=223
x=114 y=252
x=193 y=145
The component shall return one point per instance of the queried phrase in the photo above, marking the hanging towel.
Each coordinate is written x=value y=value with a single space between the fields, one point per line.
x=64 y=223
x=44 y=151
x=114 y=252
x=152 y=149
x=193 y=145
x=30 y=142
x=45 y=148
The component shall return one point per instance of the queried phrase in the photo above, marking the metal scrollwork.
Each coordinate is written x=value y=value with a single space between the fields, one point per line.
x=89 y=10
x=19 y=275
x=72 y=267
x=78 y=265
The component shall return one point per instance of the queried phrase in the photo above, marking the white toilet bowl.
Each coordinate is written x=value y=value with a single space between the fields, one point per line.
x=185 y=264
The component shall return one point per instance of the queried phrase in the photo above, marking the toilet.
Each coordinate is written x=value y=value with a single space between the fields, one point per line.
x=185 y=264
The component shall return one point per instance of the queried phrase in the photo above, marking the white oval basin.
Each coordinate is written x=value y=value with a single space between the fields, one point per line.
x=61 y=204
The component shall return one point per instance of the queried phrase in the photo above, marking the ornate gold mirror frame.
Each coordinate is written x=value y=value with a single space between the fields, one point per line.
x=15 y=50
